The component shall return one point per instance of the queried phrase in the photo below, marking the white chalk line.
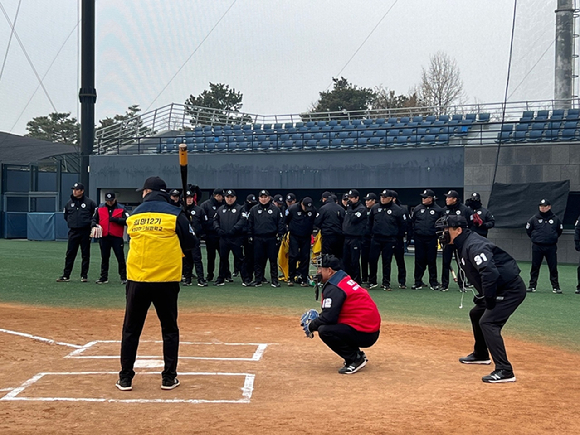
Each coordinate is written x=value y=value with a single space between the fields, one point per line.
x=42 y=339
x=247 y=389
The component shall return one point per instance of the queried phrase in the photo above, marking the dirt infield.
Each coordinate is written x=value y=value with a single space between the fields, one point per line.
x=412 y=384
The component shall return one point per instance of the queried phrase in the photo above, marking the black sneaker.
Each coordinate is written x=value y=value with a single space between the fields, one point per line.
x=471 y=359
x=230 y=279
x=209 y=278
x=219 y=282
x=577 y=291
x=402 y=286
x=361 y=354
x=498 y=376
x=124 y=282
x=169 y=383
x=353 y=367
x=304 y=283
x=63 y=279
x=373 y=285
x=443 y=289
x=416 y=286
x=275 y=285
x=202 y=282
x=124 y=384
x=557 y=291
x=187 y=282
x=386 y=288
x=290 y=283
x=265 y=281
x=84 y=279
x=102 y=281
x=531 y=290
x=236 y=274
x=255 y=284
x=247 y=284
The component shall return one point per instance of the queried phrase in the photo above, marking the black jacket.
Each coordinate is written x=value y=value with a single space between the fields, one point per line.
x=229 y=221
x=78 y=212
x=300 y=223
x=577 y=234
x=424 y=218
x=386 y=220
x=197 y=217
x=490 y=269
x=544 y=228
x=330 y=218
x=459 y=209
x=210 y=207
x=355 y=220
x=486 y=217
x=266 y=220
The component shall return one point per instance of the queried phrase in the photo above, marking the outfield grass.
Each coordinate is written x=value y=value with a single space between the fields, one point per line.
x=29 y=270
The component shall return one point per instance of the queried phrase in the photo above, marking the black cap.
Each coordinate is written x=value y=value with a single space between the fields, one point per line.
x=218 y=191
x=428 y=193
x=109 y=196
x=345 y=196
x=175 y=192
x=326 y=195
x=251 y=198
x=545 y=201
x=308 y=204
x=353 y=193
x=475 y=197
x=279 y=199
x=329 y=260
x=370 y=196
x=290 y=197
x=188 y=194
x=452 y=194
x=455 y=221
x=263 y=192
x=230 y=192
x=395 y=194
x=79 y=186
x=153 y=183
x=387 y=193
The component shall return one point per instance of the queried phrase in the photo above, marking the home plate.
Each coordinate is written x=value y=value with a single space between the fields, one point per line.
x=148 y=363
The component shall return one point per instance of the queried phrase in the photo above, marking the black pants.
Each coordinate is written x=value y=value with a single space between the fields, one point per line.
x=266 y=249
x=248 y=263
x=365 y=249
x=346 y=341
x=538 y=253
x=233 y=245
x=212 y=246
x=426 y=256
x=117 y=244
x=332 y=244
x=78 y=237
x=448 y=255
x=351 y=257
x=140 y=295
x=193 y=258
x=487 y=324
x=298 y=251
x=400 y=260
x=384 y=248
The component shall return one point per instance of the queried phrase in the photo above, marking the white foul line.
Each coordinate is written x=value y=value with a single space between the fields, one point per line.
x=44 y=340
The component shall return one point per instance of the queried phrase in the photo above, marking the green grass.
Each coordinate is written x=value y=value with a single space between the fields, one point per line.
x=29 y=270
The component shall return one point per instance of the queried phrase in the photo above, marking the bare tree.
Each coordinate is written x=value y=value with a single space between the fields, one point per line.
x=441 y=85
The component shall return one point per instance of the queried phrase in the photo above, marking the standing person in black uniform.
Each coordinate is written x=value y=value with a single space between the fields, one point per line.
x=265 y=231
x=290 y=200
x=78 y=213
x=577 y=247
x=345 y=201
x=544 y=229
x=300 y=222
x=500 y=290
x=370 y=200
x=425 y=235
x=399 y=252
x=192 y=258
x=111 y=218
x=248 y=263
x=353 y=228
x=230 y=224
x=175 y=198
x=452 y=207
x=329 y=220
x=481 y=218
x=385 y=221
x=155 y=223
x=212 y=240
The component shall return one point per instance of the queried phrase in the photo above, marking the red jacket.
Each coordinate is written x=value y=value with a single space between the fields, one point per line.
x=103 y=218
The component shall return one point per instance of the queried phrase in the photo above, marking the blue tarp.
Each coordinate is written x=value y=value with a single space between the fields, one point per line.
x=60 y=227
x=15 y=224
x=41 y=226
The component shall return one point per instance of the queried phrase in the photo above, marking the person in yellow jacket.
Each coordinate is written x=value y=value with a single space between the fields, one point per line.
x=158 y=230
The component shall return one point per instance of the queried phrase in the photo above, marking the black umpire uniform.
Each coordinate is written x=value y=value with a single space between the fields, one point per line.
x=329 y=220
x=265 y=230
x=370 y=200
x=212 y=240
x=457 y=209
x=425 y=236
x=248 y=263
x=78 y=213
x=481 y=218
x=192 y=258
x=300 y=223
x=399 y=253
x=500 y=290
x=544 y=229
x=353 y=228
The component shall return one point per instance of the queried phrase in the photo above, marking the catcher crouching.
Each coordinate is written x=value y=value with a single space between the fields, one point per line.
x=349 y=318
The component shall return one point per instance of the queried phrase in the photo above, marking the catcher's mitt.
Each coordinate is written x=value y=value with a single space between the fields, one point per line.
x=305 y=320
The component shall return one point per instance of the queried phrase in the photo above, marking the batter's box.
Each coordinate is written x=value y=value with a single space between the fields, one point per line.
x=196 y=387
x=109 y=349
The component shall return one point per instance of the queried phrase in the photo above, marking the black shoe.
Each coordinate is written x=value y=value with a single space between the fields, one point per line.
x=498 y=376
x=202 y=282
x=402 y=286
x=219 y=282
x=187 y=281
x=209 y=278
x=102 y=281
x=265 y=281
x=435 y=287
x=124 y=281
x=386 y=288
x=247 y=284
x=361 y=354
x=353 y=367
x=416 y=286
x=229 y=279
x=304 y=283
x=169 y=383
x=443 y=289
x=290 y=283
x=236 y=274
x=275 y=284
x=84 y=279
x=577 y=291
x=124 y=384
x=531 y=290
x=255 y=284
x=557 y=291
x=63 y=279
x=372 y=285
x=471 y=359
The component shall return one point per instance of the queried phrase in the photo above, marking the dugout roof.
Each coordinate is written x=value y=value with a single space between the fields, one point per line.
x=22 y=150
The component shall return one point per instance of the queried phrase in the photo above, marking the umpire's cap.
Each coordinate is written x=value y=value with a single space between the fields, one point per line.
x=78 y=186
x=452 y=194
x=175 y=192
x=230 y=192
x=290 y=197
x=218 y=191
x=545 y=202
x=278 y=199
x=353 y=193
x=428 y=193
x=371 y=196
x=153 y=183
x=109 y=196
x=251 y=199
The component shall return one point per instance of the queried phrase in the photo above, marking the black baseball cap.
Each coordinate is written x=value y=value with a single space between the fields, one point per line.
x=452 y=194
x=308 y=204
x=188 y=194
x=353 y=193
x=79 y=186
x=263 y=192
x=230 y=192
x=428 y=193
x=251 y=198
x=455 y=221
x=476 y=196
x=329 y=260
x=290 y=197
x=387 y=193
x=175 y=192
x=370 y=196
x=279 y=199
x=345 y=196
x=218 y=191
x=326 y=195
x=545 y=201
x=153 y=183
x=109 y=196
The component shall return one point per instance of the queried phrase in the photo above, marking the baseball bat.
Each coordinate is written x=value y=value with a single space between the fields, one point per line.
x=183 y=168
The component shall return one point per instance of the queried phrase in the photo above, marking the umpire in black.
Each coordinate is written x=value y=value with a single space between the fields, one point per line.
x=544 y=228
x=370 y=200
x=212 y=240
x=248 y=263
x=192 y=258
x=353 y=228
x=500 y=290
x=329 y=220
x=300 y=222
x=425 y=236
x=78 y=213
x=481 y=218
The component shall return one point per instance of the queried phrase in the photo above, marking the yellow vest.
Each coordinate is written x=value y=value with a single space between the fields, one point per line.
x=154 y=253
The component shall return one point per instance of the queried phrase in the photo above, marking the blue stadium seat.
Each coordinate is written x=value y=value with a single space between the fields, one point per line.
x=573 y=114
x=471 y=117
x=381 y=133
x=333 y=123
x=348 y=143
x=277 y=126
x=310 y=124
x=345 y=122
x=356 y=123
x=217 y=129
x=535 y=135
x=527 y=116
x=505 y=135
x=321 y=124
x=430 y=119
x=404 y=120
x=246 y=127
x=379 y=121
x=444 y=118
x=557 y=115
x=401 y=140
x=374 y=141
x=299 y=124
x=237 y=128
x=521 y=133
x=417 y=119
x=335 y=143
x=569 y=134
x=568 y=125
x=442 y=139
x=267 y=128
x=367 y=122
x=286 y=145
x=390 y=141
x=392 y=121
x=288 y=125
x=368 y=133
x=207 y=130
x=412 y=124
x=457 y=117
x=483 y=117
x=198 y=131
x=542 y=115
x=188 y=133
x=310 y=144
x=428 y=139
x=552 y=130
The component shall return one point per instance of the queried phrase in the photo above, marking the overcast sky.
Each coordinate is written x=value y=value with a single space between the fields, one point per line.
x=279 y=53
